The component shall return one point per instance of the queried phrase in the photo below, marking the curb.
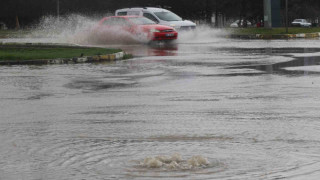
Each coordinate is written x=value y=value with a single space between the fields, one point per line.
x=88 y=59
x=274 y=36
x=74 y=60
x=56 y=45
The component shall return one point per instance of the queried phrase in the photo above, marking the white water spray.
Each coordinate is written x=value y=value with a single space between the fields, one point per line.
x=175 y=162
x=203 y=34
x=62 y=30
x=79 y=29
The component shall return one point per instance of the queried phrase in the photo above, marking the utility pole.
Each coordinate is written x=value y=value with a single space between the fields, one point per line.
x=208 y=12
x=58 y=9
x=287 y=31
x=216 y=21
x=267 y=14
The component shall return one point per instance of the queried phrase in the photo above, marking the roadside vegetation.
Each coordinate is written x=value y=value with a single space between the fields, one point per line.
x=291 y=30
x=40 y=53
x=13 y=33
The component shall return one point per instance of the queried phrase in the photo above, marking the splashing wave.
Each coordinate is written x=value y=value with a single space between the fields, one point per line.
x=79 y=29
x=175 y=162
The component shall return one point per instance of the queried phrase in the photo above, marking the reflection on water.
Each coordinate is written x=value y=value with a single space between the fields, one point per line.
x=280 y=68
x=184 y=111
x=155 y=49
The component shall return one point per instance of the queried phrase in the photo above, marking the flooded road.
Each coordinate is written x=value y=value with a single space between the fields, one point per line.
x=219 y=109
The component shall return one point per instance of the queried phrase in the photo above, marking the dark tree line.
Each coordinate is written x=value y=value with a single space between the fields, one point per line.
x=30 y=11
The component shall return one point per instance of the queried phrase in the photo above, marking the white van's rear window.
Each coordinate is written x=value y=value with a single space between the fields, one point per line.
x=133 y=13
x=122 y=13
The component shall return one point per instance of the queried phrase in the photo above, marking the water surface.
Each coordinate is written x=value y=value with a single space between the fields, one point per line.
x=251 y=108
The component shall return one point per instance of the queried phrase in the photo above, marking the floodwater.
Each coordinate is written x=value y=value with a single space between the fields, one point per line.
x=199 y=109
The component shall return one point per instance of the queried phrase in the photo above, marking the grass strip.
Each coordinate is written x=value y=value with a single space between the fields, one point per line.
x=291 y=30
x=41 y=53
x=13 y=33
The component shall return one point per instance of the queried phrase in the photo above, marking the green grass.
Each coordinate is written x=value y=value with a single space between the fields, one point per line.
x=127 y=56
x=34 y=53
x=13 y=33
x=292 y=30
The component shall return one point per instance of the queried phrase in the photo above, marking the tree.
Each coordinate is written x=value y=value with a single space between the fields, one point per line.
x=32 y=10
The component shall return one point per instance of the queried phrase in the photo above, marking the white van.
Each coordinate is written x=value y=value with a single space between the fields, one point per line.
x=158 y=15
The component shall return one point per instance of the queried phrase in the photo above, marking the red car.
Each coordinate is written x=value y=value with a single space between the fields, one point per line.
x=123 y=28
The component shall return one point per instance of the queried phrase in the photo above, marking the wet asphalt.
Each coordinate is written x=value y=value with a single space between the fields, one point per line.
x=250 y=107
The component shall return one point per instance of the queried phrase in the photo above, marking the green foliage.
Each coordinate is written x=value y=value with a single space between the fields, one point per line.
x=13 y=33
x=29 y=13
x=127 y=56
x=33 y=53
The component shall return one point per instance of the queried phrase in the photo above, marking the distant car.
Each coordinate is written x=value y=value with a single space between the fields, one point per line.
x=160 y=16
x=301 y=23
x=136 y=27
x=236 y=24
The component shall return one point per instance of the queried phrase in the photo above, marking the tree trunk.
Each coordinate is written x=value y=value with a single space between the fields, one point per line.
x=17 y=23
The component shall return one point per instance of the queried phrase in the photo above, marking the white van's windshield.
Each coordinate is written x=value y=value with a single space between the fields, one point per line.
x=141 y=21
x=168 y=16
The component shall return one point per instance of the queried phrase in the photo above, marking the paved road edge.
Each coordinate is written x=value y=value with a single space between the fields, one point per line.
x=274 y=36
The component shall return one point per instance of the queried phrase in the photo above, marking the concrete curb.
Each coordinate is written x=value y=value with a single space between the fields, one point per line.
x=274 y=36
x=74 y=60
x=88 y=59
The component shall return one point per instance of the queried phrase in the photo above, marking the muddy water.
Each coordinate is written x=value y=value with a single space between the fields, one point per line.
x=221 y=109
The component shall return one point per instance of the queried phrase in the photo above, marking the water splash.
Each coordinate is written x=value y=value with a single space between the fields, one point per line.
x=80 y=29
x=63 y=29
x=115 y=35
x=203 y=34
x=175 y=162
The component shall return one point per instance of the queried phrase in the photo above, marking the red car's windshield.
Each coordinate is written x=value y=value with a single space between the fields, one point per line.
x=141 y=20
